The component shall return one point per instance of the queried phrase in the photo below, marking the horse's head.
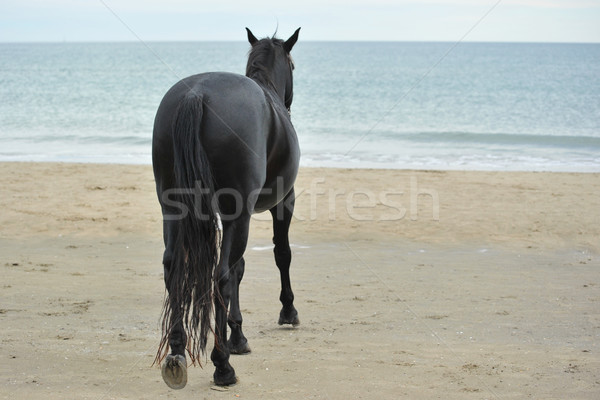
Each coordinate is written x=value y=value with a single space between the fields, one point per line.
x=270 y=63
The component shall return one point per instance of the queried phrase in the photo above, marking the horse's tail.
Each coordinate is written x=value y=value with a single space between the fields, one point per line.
x=191 y=283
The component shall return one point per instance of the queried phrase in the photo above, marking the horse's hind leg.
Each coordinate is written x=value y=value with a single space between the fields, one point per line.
x=174 y=368
x=282 y=217
x=233 y=245
x=238 y=344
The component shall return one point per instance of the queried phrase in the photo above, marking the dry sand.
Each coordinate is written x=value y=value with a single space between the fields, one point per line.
x=409 y=284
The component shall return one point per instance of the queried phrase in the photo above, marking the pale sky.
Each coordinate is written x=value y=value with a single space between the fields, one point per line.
x=402 y=20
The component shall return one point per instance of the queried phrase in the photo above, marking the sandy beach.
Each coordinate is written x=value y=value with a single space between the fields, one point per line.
x=408 y=284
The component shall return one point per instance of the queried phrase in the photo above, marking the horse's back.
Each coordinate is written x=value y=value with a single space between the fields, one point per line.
x=233 y=109
x=230 y=100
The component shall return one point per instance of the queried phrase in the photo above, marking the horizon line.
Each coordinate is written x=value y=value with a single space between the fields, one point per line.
x=129 y=41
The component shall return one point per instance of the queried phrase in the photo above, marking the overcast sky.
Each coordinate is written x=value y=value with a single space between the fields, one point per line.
x=429 y=20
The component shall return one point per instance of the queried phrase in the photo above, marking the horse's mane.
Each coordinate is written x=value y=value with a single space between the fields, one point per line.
x=261 y=59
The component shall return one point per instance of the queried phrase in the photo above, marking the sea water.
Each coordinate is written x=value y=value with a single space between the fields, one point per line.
x=471 y=106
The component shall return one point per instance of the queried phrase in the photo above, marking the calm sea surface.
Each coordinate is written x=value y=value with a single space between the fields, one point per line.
x=476 y=106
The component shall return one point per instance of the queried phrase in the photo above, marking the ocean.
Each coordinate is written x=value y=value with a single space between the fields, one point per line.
x=471 y=106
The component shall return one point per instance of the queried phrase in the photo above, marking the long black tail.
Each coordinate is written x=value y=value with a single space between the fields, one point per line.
x=191 y=285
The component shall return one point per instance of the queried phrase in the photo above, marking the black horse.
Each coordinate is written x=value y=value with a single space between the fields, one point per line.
x=223 y=148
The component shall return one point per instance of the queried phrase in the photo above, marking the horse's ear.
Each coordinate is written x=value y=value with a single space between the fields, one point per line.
x=291 y=41
x=251 y=38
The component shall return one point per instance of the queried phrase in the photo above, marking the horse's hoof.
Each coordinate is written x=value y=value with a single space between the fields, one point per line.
x=174 y=371
x=240 y=348
x=291 y=319
x=225 y=378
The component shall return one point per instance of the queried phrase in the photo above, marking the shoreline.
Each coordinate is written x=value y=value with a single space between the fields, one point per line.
x=334 y=165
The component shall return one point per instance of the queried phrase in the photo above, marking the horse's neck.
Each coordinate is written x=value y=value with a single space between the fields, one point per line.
x=280 y=112
x=269 y=85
